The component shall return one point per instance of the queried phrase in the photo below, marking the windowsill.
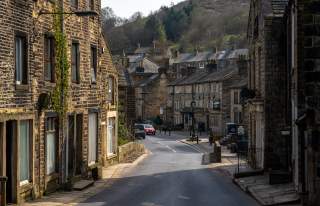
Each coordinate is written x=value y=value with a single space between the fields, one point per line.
x=111 y=156
x=75 y=85
x=51 y=177
x=25 y=187
x=22 y=87
x=93 y=165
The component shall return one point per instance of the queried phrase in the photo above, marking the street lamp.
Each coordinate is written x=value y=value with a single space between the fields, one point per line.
x=193 y=104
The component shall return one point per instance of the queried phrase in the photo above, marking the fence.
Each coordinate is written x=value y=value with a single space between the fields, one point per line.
x=3 y=182
x=252 y=157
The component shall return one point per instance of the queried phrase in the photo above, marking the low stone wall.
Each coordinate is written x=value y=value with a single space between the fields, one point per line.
x=130 y=151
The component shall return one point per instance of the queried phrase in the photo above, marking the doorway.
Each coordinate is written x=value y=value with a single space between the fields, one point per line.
x=11 y=133
x=74 y=145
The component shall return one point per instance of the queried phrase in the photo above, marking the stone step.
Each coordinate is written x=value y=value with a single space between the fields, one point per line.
x=83 y=184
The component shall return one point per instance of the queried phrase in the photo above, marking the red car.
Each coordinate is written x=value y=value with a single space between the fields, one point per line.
x=149 y=129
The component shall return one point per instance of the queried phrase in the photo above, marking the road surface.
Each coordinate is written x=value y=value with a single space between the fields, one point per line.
x=171 y=176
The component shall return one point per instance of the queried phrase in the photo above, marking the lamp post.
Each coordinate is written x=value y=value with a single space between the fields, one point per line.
x=62 y=120
x=193 y=103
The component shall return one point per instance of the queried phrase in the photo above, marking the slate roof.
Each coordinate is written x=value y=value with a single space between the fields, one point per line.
x=147 y=81
x=205 y=77
x=142 y=50
x=279 y=7
x=192 y=57
x=241 y=83
x=138 y=60
x=234 y=54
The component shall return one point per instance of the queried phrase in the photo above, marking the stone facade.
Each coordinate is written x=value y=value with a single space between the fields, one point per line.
x=303 y=61
x=268 y=114
x=39 y=152
x=213 y=95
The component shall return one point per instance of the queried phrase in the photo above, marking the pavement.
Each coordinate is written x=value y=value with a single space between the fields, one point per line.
x=70 y=198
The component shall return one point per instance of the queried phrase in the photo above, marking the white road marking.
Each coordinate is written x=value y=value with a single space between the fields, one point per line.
x=171 y=149
x=194 y=148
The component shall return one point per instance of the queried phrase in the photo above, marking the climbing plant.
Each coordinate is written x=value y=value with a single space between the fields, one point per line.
x=60 y=93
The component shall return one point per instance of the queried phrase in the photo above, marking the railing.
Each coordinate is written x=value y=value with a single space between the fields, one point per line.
x=3 y=182
x=248 y=158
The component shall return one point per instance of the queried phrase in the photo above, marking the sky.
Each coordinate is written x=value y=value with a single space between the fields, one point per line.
x=125 y=8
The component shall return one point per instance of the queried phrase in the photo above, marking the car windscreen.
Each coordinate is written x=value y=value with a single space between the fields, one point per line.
x=140 y=127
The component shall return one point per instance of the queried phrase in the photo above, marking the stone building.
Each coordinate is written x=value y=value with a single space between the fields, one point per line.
x=303 y=64
x=41 y=152
x=213 y=92
x=267 y=96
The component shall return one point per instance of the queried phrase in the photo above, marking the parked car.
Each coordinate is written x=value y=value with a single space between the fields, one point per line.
x=139 y=131
x=149 y=129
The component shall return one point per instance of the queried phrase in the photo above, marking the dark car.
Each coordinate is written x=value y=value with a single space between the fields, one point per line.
x=139 y=131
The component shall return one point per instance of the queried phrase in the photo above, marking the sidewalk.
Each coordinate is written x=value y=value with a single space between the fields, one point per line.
x=229 y=161
x=266 y=194
x=257 y=186
x=109 y=174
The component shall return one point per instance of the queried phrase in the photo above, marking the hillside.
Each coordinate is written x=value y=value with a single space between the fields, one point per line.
x=201 y=24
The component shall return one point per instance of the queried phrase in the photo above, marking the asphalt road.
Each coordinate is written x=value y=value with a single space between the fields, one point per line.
x=171 y=176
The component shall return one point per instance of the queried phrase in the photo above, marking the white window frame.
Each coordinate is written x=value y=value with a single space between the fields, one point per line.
x=29 y=149
x=92 y=143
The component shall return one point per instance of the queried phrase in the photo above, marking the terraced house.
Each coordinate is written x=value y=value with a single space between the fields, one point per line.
x=41 y=150
x=214 y=91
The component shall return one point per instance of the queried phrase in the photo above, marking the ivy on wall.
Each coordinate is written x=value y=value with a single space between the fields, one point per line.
x=60 y=92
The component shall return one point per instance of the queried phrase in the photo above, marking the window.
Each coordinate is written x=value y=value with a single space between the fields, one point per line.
x=93 y=136
x=75 y=63
x=201 y=65
x=49 y=67
x=111 y=136
x=236 y=97
x=51 y=146
x=91 y=5
x=93 y=64
x=24 y=151
x=111 y=90
x=21 y=60
x=74 y=3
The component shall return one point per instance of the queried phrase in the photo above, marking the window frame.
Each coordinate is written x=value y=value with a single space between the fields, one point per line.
x=53 y=130
x=74 y=4
x=93 y=63
x=24 y=69
x=91 y=162
x=111 y=92
x=30 y=151
x=75 y=64
x=49 y=58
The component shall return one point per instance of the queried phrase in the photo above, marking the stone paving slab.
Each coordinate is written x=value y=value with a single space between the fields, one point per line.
x=266 y=194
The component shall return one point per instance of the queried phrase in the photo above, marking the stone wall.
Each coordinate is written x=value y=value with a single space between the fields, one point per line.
x=129 y=150
x=18 y=102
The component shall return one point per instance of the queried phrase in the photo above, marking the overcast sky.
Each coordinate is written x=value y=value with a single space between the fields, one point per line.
x=125 y=8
